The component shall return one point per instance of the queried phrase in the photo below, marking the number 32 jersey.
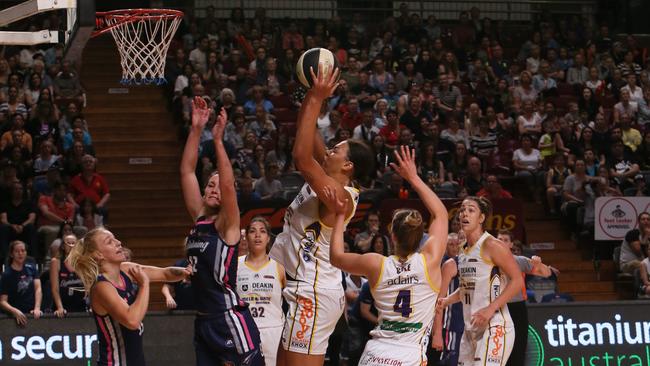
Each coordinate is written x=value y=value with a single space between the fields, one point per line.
x=262 y=290
x=405 y=299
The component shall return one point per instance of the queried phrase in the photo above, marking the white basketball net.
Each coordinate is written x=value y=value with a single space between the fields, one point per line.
x=143 y=41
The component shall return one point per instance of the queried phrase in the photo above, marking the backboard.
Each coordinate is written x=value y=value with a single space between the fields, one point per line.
x=78 y=25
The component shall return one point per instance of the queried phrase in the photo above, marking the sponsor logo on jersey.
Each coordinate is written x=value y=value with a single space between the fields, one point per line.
x=262 y=286
x=404 y=268
x=299 y=343
x=495 y=355
x=270 y=277
x=400 y=280
x=306 y=314
x=377 y=360
x=400 y=327
x=467 y=270
x=200 y=245
x=244 y=287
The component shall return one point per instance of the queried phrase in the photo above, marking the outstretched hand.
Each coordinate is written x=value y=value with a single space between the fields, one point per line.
x=340 y=207
x=200 y=113
x=405 y=166
x=220 y=125
x=325 y=83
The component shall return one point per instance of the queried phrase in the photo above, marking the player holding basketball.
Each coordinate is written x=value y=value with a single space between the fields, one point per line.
x=117 y=304
x=314 y=288
x=489 y=332
x=260 y=280
x=405 y=286
x=224 y=330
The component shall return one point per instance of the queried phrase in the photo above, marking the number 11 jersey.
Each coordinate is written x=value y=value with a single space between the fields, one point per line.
x=262 y=290
x=405 y=299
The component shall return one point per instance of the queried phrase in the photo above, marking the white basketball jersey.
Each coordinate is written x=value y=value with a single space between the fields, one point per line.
x=480 y=280
x=303 y=247
x=262 y=290
x=405 y=299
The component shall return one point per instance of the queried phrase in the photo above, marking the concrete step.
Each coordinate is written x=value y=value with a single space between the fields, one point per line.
x=591 y=286
x=143 y=230
x=142 y=119
x=135 y=148
x=596 y=296
x=134 y=137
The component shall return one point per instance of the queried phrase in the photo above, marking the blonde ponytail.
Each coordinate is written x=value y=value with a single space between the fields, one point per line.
x=82 y=260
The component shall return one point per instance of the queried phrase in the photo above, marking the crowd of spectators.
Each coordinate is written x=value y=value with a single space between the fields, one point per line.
x=559 y=109
x=49 y=187
x=561 y=106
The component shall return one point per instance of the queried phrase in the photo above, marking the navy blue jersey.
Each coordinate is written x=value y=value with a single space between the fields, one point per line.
x=71 y=290
x=183 y=294
x=365 y=297
x=118 y=345
x=453 y=320
x=19 y=286
x=214 y=281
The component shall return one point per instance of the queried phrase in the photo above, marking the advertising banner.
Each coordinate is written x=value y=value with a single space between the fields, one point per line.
x=572 y=334
x=589 y=334
x=507 y=213
x=615 y=216
x=73 y=340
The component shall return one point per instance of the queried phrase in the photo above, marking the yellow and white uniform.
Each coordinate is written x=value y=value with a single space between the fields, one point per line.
x=314 y=291
x=405 y=300
x=480 y=283
x=262 y=290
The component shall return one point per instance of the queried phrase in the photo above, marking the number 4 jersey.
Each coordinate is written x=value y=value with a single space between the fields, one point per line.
x=405 y=299
x=262 y=290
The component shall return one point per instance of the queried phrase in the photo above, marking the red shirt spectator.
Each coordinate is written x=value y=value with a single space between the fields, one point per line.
x=55 y=208
x=391 y=134
x=89 y=184
x=493 y=189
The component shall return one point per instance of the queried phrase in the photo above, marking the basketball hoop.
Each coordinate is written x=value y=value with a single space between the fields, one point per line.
x=142 y=37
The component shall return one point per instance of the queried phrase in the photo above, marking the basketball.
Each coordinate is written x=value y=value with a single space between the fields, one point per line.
x=311 y=58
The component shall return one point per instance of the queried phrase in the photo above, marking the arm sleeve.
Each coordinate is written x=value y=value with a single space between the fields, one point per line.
x=524 y=264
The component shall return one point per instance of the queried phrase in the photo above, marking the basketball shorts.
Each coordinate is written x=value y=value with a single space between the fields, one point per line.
x=220 y=341
x=311 y=318
x=490 y=347
x=381 y=353
x=270 y=340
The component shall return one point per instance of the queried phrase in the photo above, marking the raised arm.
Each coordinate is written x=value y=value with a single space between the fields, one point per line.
x=303 y=149
x=228 y=223
x=435 y=246
x=367 y=265
x=189 y=182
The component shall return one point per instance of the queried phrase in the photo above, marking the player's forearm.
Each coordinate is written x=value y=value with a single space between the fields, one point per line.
x=337 y=251
x=191 y=151
x=303 y=147
x=226 y=175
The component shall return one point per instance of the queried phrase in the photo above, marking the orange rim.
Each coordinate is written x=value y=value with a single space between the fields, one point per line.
x=123 y=16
